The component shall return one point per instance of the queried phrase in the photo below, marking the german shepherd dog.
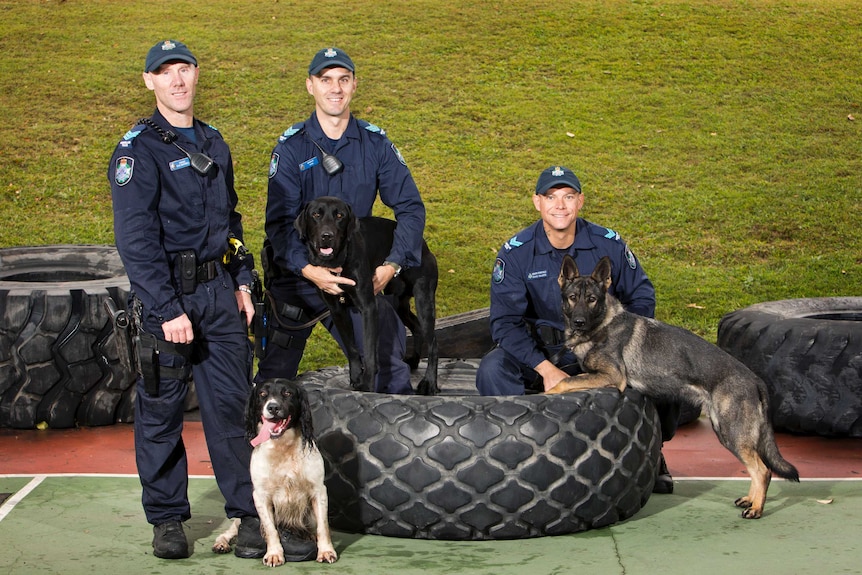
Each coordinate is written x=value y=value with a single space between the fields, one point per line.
x=335 y=237
x=617 y=348
x=287 y=475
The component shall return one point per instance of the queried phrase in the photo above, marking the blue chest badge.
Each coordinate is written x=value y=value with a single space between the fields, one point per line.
x=308 y=164
x=180 y=164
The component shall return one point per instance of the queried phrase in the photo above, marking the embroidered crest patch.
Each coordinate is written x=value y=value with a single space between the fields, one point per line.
x=499 y=270
x=398 y=155
x=273 y=165
x=123 y=173
x=630 y=257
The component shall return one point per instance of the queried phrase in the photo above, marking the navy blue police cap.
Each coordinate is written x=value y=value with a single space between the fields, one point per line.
x=330 y=58
x=557 y=176
x=168 y=51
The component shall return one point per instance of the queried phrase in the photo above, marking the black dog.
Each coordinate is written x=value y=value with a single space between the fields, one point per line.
x=335 y=237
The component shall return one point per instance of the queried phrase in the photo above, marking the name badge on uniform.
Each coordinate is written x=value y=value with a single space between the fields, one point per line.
x=180 y=164
x=308 y=164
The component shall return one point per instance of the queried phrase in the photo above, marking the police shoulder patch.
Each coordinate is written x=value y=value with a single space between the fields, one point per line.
x=630 y=258
x=398 y=155
x=499 y=270
x=124 y=169
x=273 y=165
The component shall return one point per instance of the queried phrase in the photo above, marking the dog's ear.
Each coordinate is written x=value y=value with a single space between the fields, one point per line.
x=568 y=271
x=252 y=413
x=602 y=273
x=305 y=422
x=352 y=220
x=299 y=222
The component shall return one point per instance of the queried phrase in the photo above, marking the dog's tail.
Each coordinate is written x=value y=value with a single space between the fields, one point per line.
x=772 y=457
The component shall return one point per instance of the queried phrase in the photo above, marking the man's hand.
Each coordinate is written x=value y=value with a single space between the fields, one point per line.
x=326 y=279
x=245 y=305
x=179 y=330
x=382 y=276
x=551 y=374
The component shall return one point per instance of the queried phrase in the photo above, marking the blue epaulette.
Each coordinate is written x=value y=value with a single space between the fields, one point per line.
x=129 y=136
x=608 y=234
x=371 y=127
x=518 y=240
x=291 y=131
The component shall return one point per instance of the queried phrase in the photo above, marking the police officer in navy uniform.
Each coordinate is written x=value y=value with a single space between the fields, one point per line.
x=526 y=312
x=370 y=164
x=174 y=202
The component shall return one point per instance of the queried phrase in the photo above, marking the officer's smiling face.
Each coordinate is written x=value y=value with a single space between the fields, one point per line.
x=174 y=85
x=332 y=90
x=559 y=207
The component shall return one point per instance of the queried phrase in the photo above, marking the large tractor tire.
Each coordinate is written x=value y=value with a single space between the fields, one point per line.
x=465 y=467
x=809 y=353
x=58 y=360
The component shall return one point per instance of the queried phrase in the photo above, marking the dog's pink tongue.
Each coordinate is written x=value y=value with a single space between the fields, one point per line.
x=326 y=251
x=263 y=434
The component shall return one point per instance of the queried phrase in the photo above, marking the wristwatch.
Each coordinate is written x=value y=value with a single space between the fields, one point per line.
x=395 y=266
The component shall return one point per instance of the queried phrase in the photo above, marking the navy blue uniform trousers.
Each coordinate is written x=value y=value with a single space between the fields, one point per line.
x=393 y=374
x=221 y=367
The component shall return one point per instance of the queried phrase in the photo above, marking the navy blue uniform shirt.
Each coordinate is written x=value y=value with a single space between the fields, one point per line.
x=525 y=290
x=371 y=164
x=162 y=207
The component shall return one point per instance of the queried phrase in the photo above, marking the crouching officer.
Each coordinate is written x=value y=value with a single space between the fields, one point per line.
x=172 y=185
x=526 y=310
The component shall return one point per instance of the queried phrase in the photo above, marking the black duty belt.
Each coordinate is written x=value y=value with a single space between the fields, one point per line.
x=207 y=271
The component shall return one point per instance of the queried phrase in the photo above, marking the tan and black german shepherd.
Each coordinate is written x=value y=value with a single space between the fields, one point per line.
x=617 y=348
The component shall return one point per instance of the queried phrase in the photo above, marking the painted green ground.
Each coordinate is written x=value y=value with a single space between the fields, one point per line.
x=89 y=525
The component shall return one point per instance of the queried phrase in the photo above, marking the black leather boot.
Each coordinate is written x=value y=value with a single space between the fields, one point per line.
x=249 y=541
x=169 y=541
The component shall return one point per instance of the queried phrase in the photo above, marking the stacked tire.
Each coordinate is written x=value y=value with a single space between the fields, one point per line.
x=58 y=359
x=461 y=467
x=809 y=353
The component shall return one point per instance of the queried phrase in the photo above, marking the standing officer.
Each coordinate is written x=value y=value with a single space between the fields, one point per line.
x=526 y=311
x=174 y=201
x=370 y=163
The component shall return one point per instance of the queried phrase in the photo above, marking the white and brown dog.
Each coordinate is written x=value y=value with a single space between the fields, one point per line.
x=286 y=471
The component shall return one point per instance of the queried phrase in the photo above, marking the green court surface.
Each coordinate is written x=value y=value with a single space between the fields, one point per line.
x=74 y=525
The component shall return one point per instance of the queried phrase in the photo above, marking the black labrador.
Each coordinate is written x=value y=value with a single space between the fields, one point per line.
x=335 y=237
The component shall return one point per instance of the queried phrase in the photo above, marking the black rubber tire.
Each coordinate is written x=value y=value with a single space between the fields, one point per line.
x=809 y=353
x=58 y=360
x=465 y=467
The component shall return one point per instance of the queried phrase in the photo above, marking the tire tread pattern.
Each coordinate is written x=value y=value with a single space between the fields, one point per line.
x=463 y=467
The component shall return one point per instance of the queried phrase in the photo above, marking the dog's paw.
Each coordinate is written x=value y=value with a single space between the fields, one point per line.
x=273 y=559
x=425 y=387
x=223 y=541
x=327 y=556
x=749 y=510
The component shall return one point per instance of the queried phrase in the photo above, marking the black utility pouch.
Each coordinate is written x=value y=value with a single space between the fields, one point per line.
x=188 y=270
